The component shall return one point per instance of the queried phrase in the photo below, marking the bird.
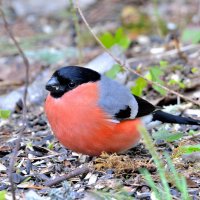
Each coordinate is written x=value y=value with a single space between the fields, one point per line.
x=90 y=113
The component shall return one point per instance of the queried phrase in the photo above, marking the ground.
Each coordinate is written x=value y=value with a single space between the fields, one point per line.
x=49 y=41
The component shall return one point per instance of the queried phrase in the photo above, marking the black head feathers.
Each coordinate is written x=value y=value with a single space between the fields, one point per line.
x=67 y=78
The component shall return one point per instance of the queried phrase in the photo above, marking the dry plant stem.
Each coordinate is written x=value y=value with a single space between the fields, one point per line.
x=157 y=17
x=26 y=63
x=77 y=30
x=127 y=67
x=78 y=171
x=44 y=157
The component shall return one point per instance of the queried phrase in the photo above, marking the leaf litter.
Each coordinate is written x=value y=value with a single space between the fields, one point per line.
x=41 y=158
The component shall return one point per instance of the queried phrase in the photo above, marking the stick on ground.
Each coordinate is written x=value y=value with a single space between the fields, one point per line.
x=21 y=131
x=78 y=171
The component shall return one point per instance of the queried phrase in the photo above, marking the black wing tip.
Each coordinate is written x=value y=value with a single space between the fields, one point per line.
x=144 y=107
x=194 y=121
x=169 y=118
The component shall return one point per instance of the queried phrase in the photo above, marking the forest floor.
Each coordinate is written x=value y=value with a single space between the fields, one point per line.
x=49 y=42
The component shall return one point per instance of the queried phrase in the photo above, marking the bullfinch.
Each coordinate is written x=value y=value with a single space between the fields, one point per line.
x=90 y=113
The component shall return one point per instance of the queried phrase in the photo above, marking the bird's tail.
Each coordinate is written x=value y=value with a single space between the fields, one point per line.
x=169 y=118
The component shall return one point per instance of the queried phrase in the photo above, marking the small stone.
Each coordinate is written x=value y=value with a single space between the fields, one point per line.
x=2 y=167
x=92 y=179
x=41 y=122
x=88 y=176
x=28 y=166
x=3 y=186
x=17 y=178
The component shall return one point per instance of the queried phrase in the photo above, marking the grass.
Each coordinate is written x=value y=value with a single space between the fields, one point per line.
x=163 y=192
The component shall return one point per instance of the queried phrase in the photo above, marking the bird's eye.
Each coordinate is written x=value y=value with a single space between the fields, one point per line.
x=71 y=84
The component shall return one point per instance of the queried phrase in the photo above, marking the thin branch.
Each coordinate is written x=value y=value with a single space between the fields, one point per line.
x=127 y=67
x=78 y=171
x=44 y=157
x=27 y=66
x=77 y=30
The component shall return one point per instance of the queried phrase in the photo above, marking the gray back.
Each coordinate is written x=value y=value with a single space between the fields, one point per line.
x=115 y=97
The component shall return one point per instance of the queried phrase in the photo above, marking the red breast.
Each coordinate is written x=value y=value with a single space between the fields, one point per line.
x=81 y=125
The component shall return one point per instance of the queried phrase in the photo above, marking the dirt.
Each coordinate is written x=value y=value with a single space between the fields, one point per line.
x=42 y=158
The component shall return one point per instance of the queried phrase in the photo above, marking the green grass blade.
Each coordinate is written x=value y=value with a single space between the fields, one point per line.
x=161 y=171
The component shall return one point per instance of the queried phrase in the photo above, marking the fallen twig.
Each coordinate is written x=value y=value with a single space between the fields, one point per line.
x=30 y=187
x=26 y=63
x=78 y=171
x=127 y=67
x=44 y=157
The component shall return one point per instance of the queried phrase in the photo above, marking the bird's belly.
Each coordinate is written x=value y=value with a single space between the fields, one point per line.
x=86 y=129
x=100 y=137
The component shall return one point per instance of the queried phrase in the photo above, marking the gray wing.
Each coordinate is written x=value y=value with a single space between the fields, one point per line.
x=117 y=100
x=119 y=103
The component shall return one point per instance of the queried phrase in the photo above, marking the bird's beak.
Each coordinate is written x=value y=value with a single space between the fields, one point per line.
x=52 y=85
